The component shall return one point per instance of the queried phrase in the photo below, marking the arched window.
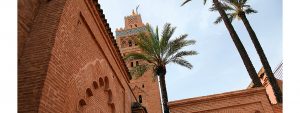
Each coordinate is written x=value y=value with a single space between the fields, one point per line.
x=95 y=84
x=131 y=64
x=140 y=99
x=101 y=82
x=82 y=103
x=123 y=44
x=106 y=82
x=257 y=111
x=129 y=43
x=143 y=86
x=89 y=92
x=135 y=25
x=113 y=109
x=136 y=63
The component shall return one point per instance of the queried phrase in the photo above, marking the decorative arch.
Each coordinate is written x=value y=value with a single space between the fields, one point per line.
x=82 y=103
x=257 y=111
x=95 y=84
x=89 y=92
x=106 y=83
x=129 y=43
x=101 y=82
x=140 y=99
x=123 y=44
x=113 y=109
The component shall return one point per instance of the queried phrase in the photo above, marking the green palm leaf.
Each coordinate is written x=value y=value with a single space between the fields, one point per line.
x=159 y=50
x=186 y=1
x=182 y=62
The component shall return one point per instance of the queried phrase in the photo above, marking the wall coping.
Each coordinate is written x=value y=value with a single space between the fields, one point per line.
x=217 y=96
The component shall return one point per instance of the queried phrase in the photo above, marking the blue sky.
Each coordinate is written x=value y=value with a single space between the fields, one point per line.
x=218 y=68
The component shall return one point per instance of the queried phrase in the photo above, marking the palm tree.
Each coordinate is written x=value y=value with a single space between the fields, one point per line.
x=237 y=10
x=158 y=51
x=241 y=49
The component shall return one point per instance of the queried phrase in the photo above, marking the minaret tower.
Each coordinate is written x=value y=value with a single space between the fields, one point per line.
x=145 y=88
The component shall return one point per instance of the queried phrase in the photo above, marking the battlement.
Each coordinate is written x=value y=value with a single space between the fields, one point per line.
x=133 y=21
x=120 y=33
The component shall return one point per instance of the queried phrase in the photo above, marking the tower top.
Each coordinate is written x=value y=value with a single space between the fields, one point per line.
x=133 y=13
x=133 y=25
x=133 y=21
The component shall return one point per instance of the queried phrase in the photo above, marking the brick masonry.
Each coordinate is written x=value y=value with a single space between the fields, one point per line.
x=69 y=61
x=265 y=82
x=244 y=101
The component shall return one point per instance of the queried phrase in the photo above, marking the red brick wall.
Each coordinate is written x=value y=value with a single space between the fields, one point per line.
x=68 y=53
x=264 y=80
x=277 y=108
x=27 y=11
x=36 y=50
x=150 y=92
x=244 y=101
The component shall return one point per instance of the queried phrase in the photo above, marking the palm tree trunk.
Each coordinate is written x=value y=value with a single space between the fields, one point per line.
x=239 y=46
x=263 y=58
x=164 y=93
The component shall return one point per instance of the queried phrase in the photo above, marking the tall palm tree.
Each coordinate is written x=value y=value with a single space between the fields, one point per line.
x=240 y=47
x=237 y=9
x=158 y=51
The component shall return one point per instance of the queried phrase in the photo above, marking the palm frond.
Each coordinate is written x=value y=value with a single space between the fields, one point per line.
x=240 y=6
x=225 y=7
x=231 y=17
x=144 y=42
x=149 y=42
x=178 y=44
x=139 y=70
x=246 y=6
x=218 y=20
x=182 y=62
x=204 y=2
x=166 y=34
x=250 y=10
x=213 y=8
x=138 y=56
x=156 y=49
x=186 y=1
x=185 y=53
x=181 y=54
x=155 y=40
x=165 y=37
x=243 y=2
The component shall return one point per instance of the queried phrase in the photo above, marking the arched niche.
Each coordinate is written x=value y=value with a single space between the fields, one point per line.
x=101 y=82
x=95 y=84
x=89 y=92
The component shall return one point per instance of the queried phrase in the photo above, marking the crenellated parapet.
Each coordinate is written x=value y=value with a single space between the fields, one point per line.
x=121 y=32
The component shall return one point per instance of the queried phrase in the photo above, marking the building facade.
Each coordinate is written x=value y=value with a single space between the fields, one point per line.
x=252 y=100
x=265 y=81
x=146 y=87
x=68 y=60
